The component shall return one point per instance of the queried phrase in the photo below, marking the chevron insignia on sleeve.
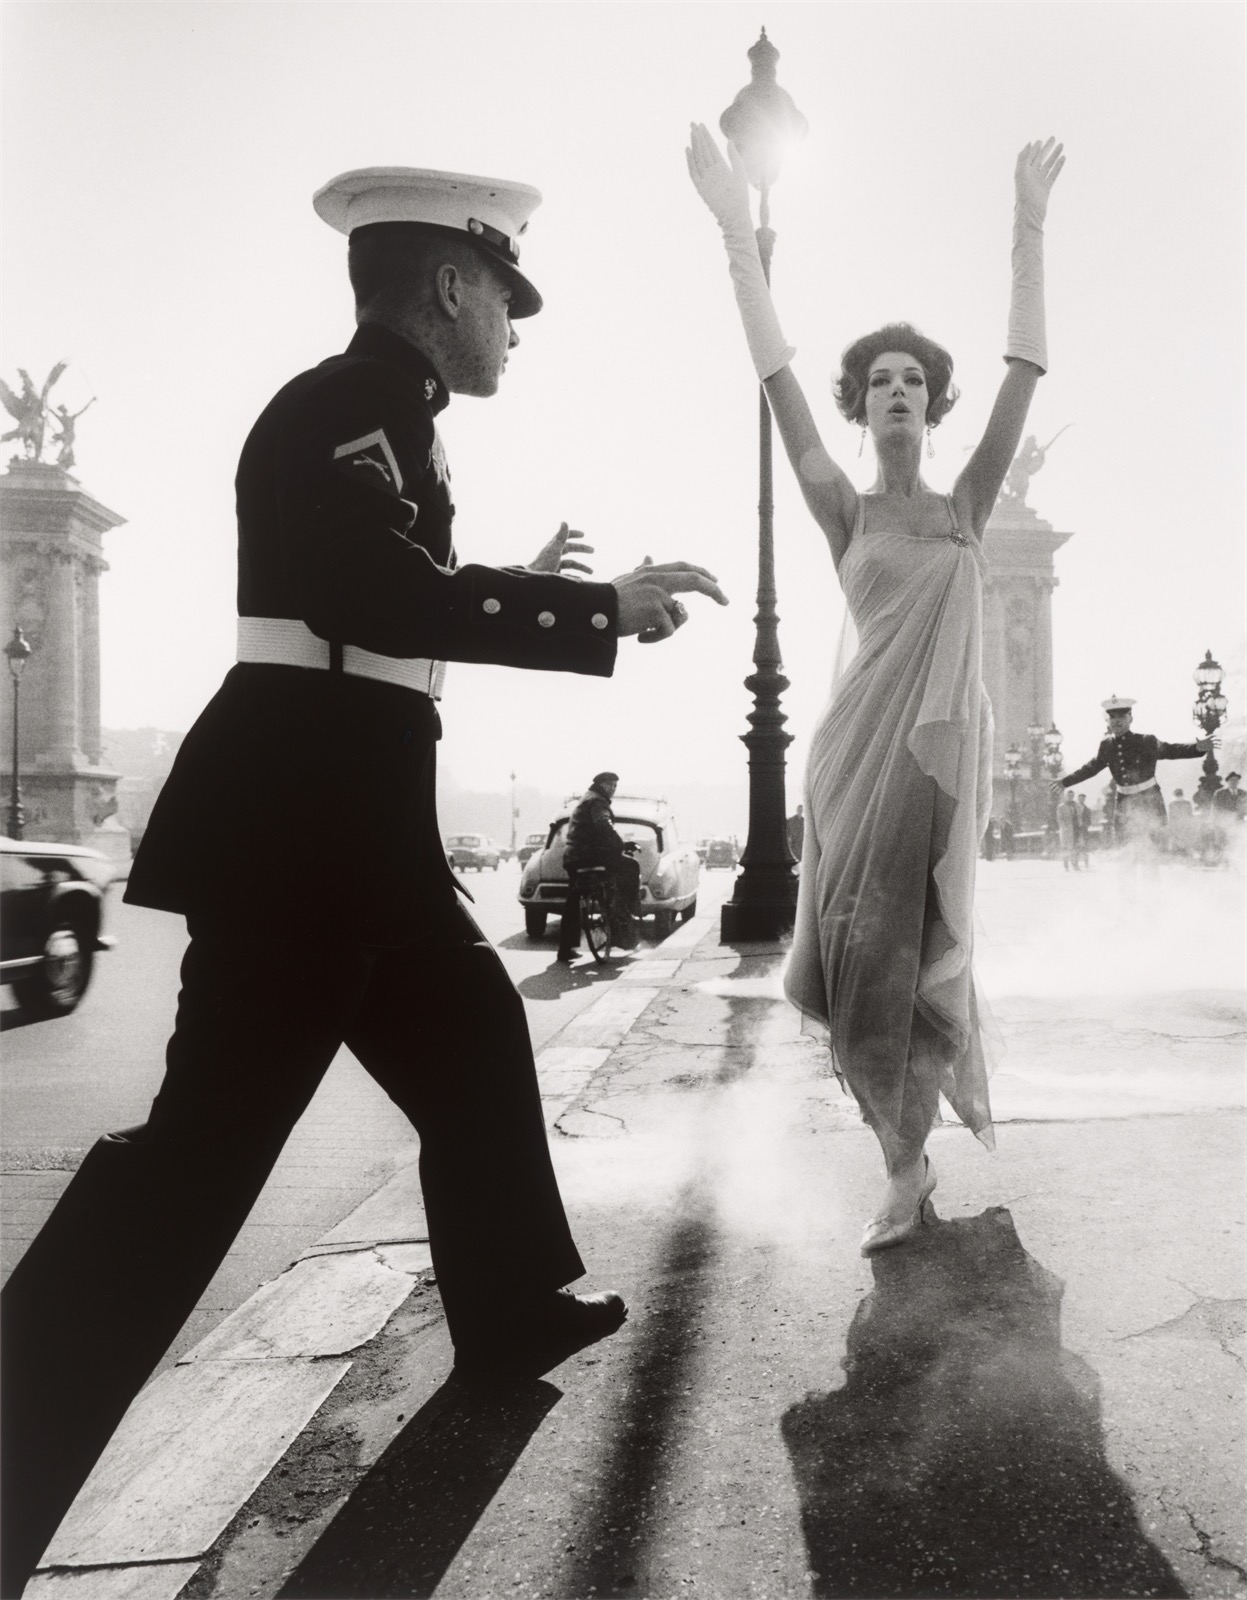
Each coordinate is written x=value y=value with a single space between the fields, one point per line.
x=370 y=460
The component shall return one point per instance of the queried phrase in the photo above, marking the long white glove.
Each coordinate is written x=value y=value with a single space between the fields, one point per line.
x=725 y=189
x=1033 y=177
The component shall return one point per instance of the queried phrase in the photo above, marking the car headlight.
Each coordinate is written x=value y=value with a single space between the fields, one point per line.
x=662 y=881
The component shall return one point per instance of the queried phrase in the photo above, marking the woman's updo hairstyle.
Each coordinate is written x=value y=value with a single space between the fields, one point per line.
x=936 y=363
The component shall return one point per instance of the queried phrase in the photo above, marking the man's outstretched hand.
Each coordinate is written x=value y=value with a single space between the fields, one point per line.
x=647 y=597
x=556 y=554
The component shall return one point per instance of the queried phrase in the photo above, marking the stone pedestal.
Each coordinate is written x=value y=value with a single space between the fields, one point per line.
x=1017 y=635
x=52 y=555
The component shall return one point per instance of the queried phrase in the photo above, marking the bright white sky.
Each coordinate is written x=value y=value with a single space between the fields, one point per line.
x=158 y=165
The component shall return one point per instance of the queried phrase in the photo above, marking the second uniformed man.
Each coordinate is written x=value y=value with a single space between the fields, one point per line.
x=1131 y=759
x=298 y=835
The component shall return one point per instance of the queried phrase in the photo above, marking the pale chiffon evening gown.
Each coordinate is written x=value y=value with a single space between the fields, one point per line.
x=897 y=795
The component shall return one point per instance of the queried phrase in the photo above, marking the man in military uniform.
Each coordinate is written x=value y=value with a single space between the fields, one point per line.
x=351 y=599
x=593 y=842
x=1131 y=759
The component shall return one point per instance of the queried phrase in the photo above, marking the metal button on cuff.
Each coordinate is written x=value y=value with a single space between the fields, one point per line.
x=599 y=619
x=546 y=618
x=491 y=607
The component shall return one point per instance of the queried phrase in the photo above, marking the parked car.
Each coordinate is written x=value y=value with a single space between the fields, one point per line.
x=530 y=847
x=721 y=853
x=51 y=921
x=472 y=850
x=669 y=869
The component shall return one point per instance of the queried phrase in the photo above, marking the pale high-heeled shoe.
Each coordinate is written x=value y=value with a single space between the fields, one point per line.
x=881 y=1232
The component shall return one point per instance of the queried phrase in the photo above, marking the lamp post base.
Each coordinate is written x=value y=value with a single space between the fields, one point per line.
x=765 y=911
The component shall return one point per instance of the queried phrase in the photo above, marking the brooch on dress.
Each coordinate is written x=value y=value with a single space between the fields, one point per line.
x=959 y=538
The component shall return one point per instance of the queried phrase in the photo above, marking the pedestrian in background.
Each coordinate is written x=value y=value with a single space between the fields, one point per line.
x=351 y=600
x=796 y=832
x=1229 y=801
x=1067 y=832
x=1083 y=832
x=1181 y=824
x=1226 y=812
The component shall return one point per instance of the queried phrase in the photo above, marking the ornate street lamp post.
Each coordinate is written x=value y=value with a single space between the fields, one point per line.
x=760 y=122
x=1012 y=772
x=1053 y=762
x=1035 y=809
x=18 y=652
x=1209 y=713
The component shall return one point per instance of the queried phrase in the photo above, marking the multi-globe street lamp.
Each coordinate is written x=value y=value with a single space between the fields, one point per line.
x=1209 y=712
x=18 y=653
x=1053 y=762
x=761 y=122
x=1012 y=772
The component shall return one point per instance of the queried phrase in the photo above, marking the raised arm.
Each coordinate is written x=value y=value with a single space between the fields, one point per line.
x=1026 y=350
x=829 y=494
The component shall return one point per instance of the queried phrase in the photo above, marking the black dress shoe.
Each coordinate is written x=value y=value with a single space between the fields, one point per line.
x=544 y=1333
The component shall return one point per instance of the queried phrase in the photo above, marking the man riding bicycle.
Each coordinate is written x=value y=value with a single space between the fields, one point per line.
x=593 y=842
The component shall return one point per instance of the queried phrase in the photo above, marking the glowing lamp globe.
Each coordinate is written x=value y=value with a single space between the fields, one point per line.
x=763 y=121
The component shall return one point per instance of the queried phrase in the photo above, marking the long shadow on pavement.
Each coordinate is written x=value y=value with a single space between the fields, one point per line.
x=558 y=980
x=613 y=1533
x=407 y=1520
x=965 y=1454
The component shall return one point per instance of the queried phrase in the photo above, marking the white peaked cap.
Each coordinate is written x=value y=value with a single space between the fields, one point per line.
x=492 y=212
x=1115 y=702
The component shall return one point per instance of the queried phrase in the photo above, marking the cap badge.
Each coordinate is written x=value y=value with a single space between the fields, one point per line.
x=495 y=236
x=430 y=388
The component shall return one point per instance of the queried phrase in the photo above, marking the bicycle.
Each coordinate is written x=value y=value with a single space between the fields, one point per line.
x=595 y=917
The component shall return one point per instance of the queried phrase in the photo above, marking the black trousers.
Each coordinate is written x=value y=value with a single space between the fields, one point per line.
x=148 y=1218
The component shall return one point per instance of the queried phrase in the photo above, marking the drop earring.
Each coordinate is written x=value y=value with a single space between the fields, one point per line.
x=930 y=446
x=861 y=443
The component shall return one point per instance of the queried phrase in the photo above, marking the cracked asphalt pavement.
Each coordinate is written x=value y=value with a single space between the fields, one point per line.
x=1042 y=1395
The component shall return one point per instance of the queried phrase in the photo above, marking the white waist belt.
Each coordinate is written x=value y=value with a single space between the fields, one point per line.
x=287 y=642
x=1136 y=788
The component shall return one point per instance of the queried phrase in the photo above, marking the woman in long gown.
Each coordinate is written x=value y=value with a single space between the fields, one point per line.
x=898 y=784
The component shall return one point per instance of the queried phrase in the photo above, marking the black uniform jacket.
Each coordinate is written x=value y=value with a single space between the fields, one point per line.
x=1131 y=758
x=302 y=793
x=591 y=837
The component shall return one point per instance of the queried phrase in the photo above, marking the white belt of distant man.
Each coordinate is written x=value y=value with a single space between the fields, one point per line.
x=287 y=642
x=1137 y=788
